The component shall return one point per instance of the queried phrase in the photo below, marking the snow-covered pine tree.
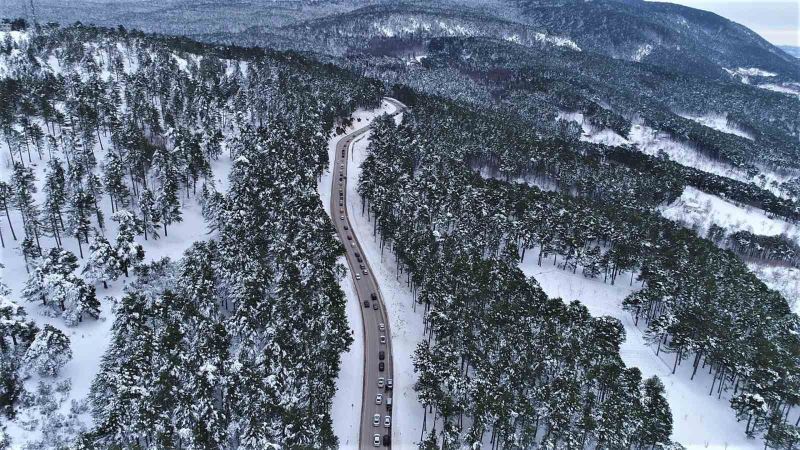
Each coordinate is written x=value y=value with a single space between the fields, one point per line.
x=64 y=294
x=114 y=180
x=55 y=197
x=23 y=183
x=129 y=253
x=102 y=263
x=48 y=352
x=151 y=217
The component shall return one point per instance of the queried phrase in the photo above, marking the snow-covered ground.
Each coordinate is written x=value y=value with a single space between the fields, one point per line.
x=783 y=279
x=346 y=408
x=700 y=421
x=698 y=210
x=404 y=322
x=718 y=122
x=791 y=89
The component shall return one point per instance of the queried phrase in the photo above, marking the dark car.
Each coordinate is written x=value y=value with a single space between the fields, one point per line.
x=375 y=305
x=358 y=255
x=366 y=303
x=374 y=296
x=381 y=355
x=387 y=440
x=381 y=366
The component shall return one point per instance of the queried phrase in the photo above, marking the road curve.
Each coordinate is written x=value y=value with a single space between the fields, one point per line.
x=374 y=321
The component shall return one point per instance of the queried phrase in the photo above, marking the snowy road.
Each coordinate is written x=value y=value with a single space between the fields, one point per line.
x=376 y=413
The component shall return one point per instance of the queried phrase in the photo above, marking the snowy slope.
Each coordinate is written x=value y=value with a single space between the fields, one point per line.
x=697 y=209
x=90 y=339
x=652 y=142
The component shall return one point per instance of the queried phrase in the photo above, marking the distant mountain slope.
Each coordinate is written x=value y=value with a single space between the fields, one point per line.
x=665 y=34
x=681 y=38
x=791 y=50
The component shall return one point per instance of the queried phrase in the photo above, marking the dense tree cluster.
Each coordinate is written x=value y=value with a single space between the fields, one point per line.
x=778 y=248
x=500 y=357
x=434 y=210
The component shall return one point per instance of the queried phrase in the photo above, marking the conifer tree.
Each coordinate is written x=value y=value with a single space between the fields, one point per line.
x=151 y=217
x=48 y=352
x=128 y=252
x=102 y=263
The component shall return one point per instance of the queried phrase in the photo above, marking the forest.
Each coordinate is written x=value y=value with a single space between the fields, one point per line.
x=459 y=237
x=110 y=135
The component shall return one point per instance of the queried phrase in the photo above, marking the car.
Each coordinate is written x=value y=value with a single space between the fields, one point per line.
x=346 y=228
x=387 y=422
x=366 y=303
x=365 y=272
x=381 y=355
x=341 y=217
x=383 y=338
x=376 y=440
x=375 y=305
x=349 y=238
x=340 y=203
x=387 y=440
x=341 y=210
x=379 y=399
x=358 y=255
x=376 y=420
x=359 y=259
x=381 y=366
x=358 y=277
x=389 y=383
x=381 y=381
x=362 y=266
x=374 y=296
x=388 y=403
x=381 y=326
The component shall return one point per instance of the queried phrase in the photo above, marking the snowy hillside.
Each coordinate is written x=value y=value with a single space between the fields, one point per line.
x=109 y=181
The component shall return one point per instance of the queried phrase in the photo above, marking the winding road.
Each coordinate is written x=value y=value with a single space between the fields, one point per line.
x=378 y=373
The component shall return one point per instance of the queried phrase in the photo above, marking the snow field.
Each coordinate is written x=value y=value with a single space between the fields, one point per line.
x=699 y=210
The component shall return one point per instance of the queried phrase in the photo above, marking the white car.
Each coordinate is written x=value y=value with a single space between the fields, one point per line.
x=376 y=420
x=358 y=277
x=380 y=382
x=379 y=399
x=376 y=440
x=383 y=340
x=387 y=422
x=341 y=217
x=389 y=383
x=381 y=326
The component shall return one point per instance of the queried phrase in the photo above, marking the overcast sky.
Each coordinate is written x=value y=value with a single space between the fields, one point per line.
x=775 y=20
